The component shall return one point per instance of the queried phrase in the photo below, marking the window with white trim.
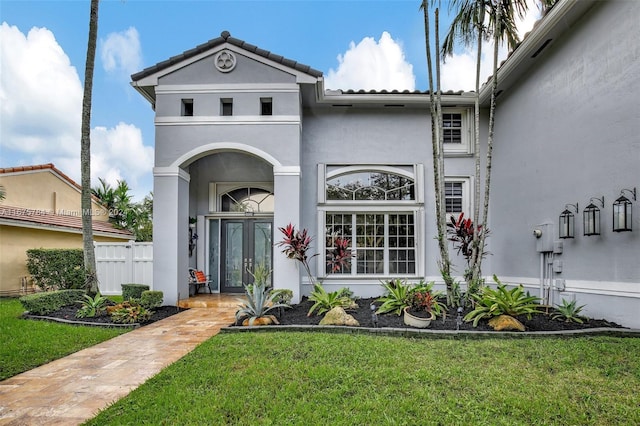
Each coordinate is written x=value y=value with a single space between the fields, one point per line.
x=457 y=126
x=376 y=211
x=457 y=195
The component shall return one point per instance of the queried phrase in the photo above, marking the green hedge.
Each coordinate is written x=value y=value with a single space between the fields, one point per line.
x=56 y=269
x=50 y=301
x=151 y=299
x=133 y=291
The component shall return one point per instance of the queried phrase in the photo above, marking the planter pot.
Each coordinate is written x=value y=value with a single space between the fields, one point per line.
x=417 y=322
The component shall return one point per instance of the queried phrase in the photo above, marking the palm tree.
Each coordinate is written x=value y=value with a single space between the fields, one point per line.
x=435 y=103
x=3 y=193
x=85 y=155
x=469 y=27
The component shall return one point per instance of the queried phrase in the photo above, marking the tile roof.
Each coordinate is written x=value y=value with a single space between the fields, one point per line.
x=225 y=37
x=48 y=218
x=48 y=166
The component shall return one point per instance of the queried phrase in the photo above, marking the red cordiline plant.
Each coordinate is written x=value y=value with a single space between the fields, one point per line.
x=461 y=232
x=296 y=243
x=339 y=257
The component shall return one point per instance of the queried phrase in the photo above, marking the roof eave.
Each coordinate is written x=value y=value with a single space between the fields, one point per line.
x=552 y=25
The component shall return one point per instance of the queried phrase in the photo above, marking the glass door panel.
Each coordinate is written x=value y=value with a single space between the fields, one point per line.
x=262 y=246
x=233 y=265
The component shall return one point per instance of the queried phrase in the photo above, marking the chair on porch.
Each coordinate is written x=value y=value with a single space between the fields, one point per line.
x=197 y=280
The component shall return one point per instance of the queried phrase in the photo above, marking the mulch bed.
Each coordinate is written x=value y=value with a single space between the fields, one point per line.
x=68 y=314
x=297 y=314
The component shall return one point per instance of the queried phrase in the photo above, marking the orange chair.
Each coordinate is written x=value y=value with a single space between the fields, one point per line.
x=197 y=280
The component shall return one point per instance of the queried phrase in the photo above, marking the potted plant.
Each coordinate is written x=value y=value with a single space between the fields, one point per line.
x=423 y=308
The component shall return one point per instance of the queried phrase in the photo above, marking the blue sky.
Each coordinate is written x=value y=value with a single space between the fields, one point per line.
x=43 y=48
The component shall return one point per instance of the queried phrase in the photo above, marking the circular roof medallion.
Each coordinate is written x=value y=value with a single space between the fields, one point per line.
x=225 y=61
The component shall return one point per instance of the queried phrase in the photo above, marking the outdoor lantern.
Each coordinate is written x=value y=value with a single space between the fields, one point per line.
x=622 y=208
x=591 y=217
x=567 y=222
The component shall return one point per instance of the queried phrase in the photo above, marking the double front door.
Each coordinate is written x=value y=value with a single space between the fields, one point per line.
x=246 y=247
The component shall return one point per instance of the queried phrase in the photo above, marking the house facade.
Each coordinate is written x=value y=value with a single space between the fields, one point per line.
x=248 y=141
x=41 y=209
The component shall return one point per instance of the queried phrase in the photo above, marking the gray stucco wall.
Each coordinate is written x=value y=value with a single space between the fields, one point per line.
x=361 y=136
x=567 y=132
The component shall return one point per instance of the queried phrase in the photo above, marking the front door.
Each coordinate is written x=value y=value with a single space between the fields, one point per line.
x=245 y=245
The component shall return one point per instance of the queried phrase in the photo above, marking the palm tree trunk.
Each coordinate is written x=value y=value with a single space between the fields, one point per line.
x=492 y=111
x=437 y=150
x=476 y=258
x=85 y=156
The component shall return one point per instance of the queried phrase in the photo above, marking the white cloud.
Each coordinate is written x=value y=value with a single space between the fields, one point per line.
x=372 y=65
x=459 y=70
x=121 y=53
x=40 y=114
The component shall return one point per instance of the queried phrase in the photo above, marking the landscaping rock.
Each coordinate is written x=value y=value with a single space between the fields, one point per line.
x=505 y=322
x=338 y=316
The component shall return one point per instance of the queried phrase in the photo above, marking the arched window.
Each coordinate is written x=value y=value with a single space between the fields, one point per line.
x=248 y=199
x=375 y=209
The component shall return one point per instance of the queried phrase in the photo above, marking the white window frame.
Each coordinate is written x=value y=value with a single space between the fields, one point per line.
x=467 y=119
x=467 y=194
x=218 y=189
x=416 y=207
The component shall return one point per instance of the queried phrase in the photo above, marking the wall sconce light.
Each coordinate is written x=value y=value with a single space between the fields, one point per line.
x=591 y=217
x=622 y=209
x=567 y=222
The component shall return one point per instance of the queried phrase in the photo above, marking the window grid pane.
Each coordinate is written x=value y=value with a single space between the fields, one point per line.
x=452 y=126
x=371 y=186
x=453 y=197
x=376 y=243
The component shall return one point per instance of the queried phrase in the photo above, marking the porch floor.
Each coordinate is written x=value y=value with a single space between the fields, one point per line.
x=212 y=301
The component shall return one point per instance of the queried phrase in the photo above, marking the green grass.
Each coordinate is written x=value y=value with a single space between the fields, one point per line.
x=25 y=344
x=321 y=378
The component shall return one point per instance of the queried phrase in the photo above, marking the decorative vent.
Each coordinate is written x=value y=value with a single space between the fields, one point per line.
x=225 y=61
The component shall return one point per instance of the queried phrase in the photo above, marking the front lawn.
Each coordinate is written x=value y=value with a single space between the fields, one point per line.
x=321 y=378
x=25 y=344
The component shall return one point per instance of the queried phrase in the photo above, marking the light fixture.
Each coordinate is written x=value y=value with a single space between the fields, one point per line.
x=622 y=209
x=591 y=217
x=567 y=222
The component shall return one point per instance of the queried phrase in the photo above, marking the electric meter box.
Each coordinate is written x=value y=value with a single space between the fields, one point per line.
x=544 y=243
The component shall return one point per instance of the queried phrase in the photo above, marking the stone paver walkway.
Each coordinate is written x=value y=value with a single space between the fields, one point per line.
x=73 y=389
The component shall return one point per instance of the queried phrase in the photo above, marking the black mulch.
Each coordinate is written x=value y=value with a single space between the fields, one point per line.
x=68 y=313
x=539 y=322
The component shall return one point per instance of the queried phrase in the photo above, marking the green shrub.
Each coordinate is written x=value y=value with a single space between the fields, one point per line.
x=51 y=301
x=129 y=313
x=493 y=303
x=133 y=291
x=56 y=269
x=151 y=299
x=324 y=301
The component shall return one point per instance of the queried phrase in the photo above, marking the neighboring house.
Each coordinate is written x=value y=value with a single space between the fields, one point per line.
x=42 y=210
x=248 y=141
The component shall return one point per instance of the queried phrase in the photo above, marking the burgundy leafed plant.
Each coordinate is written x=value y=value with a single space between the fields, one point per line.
x=340 y=255
x=296 y=244
x=461 y=232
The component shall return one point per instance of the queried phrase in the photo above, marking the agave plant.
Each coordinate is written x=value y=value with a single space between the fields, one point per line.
x=493 y=303
x=255 y=311
x=568 y=312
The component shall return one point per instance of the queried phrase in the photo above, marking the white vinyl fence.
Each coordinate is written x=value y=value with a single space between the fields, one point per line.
x=123 y=263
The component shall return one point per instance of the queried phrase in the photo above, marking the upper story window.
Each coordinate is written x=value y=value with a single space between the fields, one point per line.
x=187 y=108
x=371 y=186
x=457 y=125
x=226 y=107
x=457 y=195
x=266 y=106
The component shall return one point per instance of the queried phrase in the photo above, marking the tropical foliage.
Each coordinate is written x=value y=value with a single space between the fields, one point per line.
x=136 y=217
x=295 y=245
x=500 y=301
x=325 y=301
x=91 y=306
x=396 y=298
x=258 y=304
